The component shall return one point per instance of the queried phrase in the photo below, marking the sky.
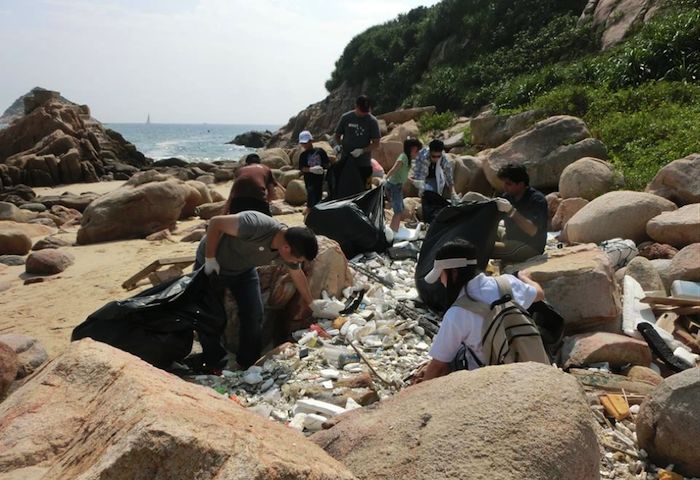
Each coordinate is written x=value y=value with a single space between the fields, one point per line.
x=182 y=61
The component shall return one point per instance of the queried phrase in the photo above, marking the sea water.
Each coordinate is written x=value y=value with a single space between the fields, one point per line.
x=191 y=142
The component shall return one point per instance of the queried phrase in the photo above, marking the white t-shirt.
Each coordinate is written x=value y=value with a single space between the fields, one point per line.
x=463 y=326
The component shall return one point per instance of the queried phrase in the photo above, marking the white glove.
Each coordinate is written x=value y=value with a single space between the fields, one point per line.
x=337 y=149
x=504 y=205
x=357 y=152
x=316 y=170
x=211 y=265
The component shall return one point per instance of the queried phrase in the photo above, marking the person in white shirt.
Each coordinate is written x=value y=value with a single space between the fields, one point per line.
x=456 y=268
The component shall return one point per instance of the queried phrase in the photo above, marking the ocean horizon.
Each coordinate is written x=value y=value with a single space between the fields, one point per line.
x=192 y=142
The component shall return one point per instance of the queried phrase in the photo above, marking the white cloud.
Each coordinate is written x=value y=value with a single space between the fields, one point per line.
x=184 y=61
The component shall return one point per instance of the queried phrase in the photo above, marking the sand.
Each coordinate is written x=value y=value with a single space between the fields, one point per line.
x=49 y=311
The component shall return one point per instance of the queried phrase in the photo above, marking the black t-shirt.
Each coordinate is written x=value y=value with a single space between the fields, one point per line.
x=357 y=132
x=532 y=206
x=311 y=158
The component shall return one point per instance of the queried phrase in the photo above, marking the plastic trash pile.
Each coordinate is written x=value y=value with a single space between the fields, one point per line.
x=320 y=375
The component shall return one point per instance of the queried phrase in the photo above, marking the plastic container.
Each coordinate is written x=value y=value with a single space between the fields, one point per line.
x=685 y=288
x=339 y=356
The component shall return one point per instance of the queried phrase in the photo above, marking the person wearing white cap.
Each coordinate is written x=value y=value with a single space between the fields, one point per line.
x=313 y=162
x=456 y=268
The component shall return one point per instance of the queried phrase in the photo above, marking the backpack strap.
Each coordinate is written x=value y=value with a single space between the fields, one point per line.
x=504 y=287
x=467 y=303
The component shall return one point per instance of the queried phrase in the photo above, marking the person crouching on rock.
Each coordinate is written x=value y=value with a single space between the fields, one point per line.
x=456 y=268
x=397 y=176
x=253 y=188
x=233 y=247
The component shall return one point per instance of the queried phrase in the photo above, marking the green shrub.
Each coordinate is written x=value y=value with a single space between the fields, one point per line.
x=430 y=122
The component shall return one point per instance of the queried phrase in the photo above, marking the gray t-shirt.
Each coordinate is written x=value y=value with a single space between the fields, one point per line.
x=250 y=248
x=357 y=132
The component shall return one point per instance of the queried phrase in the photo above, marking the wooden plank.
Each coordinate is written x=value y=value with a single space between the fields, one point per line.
x=610 y=382
x=615 y=406
x=176 y=262
x=678 y=302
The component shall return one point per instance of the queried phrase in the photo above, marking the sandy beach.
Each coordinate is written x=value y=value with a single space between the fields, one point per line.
x=51 y=309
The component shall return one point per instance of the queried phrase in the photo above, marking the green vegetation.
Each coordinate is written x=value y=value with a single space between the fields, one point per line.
x=430 y=122
x=642 y=98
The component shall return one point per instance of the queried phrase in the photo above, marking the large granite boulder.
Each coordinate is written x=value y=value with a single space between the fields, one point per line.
x=622 y=214
x=135 y=421
x=274 y=157
x=586 y=178
x=30 y=353
x=8 y=368
x=567 y=209
x=406 y=114
x=678 y=181
x=617 y=350
x=615 y=18
x=508 y=422
x=469 y=176
x=678 y=228
x=545 y=150
x=403 y=131
x=668 y=424
x=147 y=203
x=48 y=261
x=579 y=283
x=643 y=271
x=295 y=193
x=252 y=139
x=491 y=130
x=387 y=153
x=14 y=242
x=685 y=265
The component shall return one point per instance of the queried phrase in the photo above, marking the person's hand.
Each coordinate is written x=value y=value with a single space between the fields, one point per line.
x=357 y=152
x=337 y=149
x=211 y=265
x=504 y=205
x=316 y=170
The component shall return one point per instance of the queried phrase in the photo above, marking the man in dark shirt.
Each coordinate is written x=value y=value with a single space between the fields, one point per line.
x=233 y=247
x=526 y=216
x=358 y=133
x=253 y=188
x=313 y=162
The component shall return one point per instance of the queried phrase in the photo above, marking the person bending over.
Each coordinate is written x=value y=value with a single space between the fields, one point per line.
x=455 y=267
x=253 y=188
x=233 y=247
x=526 y=216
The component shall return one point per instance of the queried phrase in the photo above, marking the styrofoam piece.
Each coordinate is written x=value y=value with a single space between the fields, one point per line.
x=314 y=422
x=633 y=310
x=310 y=405
x=689 y=357
x=685 y=289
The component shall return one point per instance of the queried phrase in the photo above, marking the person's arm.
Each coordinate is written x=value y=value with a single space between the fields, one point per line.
x=525 y=224
x=526 y=277
x=433 y=369
x=219 y=225
x=397 y=164
x=302 y=284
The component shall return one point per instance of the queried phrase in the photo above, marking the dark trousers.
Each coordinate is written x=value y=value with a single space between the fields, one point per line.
x=242 y=204
x=314 y=192
x=245 y=288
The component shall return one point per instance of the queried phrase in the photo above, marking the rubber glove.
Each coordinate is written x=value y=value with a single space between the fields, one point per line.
x=316 y=170
x=357 y=152
x=504 y=205
x=337 y=149
x=211 y=265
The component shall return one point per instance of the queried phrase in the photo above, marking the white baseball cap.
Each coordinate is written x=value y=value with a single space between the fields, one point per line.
x=305 y=137
x=444 y=264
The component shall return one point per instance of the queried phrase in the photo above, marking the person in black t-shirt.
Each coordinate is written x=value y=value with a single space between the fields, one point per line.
x=526 y=216
x=313 y=162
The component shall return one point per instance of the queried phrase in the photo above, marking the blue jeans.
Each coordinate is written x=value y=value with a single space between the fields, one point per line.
x=396 y=195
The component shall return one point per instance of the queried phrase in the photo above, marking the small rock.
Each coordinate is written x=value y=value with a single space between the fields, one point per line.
x=50 y=242
x=8 y=368
x=48 y=262
x=12 y=260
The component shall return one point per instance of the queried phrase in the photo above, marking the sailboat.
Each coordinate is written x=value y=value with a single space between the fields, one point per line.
x=148 y=119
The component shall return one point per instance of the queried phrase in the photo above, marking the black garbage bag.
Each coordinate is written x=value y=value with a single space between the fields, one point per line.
x=476 y=222
x=158 y=324
x=550 y=324
x=355 y=222
x=431 y=203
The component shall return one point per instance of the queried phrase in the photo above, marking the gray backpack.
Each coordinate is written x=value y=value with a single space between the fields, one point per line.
x=509 y=334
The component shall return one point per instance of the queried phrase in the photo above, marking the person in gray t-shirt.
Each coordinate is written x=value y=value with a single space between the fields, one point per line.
x=233 y=247
x=358 y=132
